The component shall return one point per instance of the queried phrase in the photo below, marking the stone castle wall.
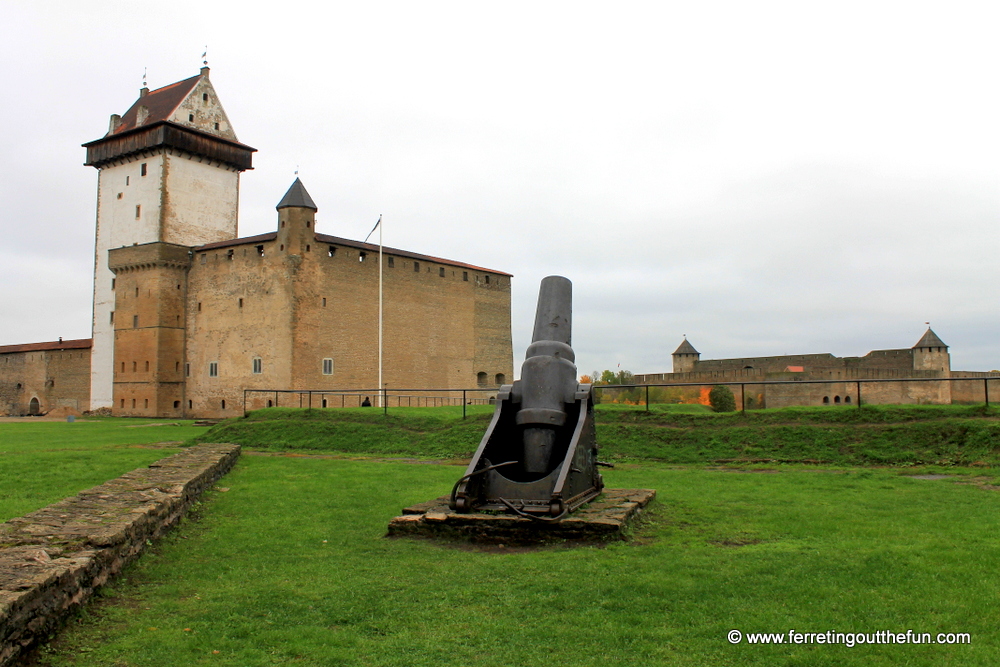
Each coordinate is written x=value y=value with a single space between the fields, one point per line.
x=56 y=374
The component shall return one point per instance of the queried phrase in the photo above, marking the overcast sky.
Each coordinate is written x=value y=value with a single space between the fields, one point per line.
x=767 y=178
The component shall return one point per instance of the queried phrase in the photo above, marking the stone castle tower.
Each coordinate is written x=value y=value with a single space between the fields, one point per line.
x=685 y=357
x=168 y=172
x=931 y=354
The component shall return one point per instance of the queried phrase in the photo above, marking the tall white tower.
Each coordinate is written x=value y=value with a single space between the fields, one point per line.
x=168 y=170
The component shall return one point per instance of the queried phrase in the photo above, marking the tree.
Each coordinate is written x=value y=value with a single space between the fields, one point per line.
x=721 y=399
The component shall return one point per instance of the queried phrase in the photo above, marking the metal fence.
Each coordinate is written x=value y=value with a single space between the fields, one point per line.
x=355 y=398
x=632 y=394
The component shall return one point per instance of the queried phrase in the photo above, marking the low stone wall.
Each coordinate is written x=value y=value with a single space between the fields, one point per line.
x=53 y=559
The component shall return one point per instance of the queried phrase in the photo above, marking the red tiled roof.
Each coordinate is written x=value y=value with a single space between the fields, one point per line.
x=336 y=240
x=161 y=104
x=79 y=344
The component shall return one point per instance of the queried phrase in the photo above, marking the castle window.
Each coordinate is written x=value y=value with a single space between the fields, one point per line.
x=135 y=321
x=836 y=399
x=465 y=276
x=217 y=126
x=137 y=292
x=328 y=367
x=133 y=366
x=481 y=378
x=204 y=97
x=847 y=399
x=223 y=404
x=416 y=267
x=120 y=195
x=199 y=306
x=213 y=369
x=362 y=256
x=112 y=283
x=123 y=367
x=127 y=179
x=441 y=271
x=138 y=211
x=324 y=302
x=826 y=400
x=307 y=247
x=147 y=366
x=187 y=371
x=501 y=378
x=260 y=250
x=487 y=280
x=112 y=317
x=229 y=256
x=146 y=403
x=241 y=303
x=270 y=403
x=177 y=367
x=331 y=251
x=190 y=117
x=133 y=403
x=204 y=258
x=392 y=262
x=281 y=247
x=258 y=365
x=178 y=318
x=123 y=403
x=308 y=224
x=177 y=405
x=190 y=404
x=282 y=224
x=142 y=169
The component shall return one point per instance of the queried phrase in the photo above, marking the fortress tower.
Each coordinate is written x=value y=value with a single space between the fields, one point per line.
x=931 y=354
x=685 y=357
x=168 y=172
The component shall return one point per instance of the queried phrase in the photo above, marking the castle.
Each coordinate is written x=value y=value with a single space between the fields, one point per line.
x=928 y=359
x=187 y=315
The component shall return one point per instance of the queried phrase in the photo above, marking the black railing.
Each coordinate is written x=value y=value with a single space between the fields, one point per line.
x=386 y=397
x=355 y=398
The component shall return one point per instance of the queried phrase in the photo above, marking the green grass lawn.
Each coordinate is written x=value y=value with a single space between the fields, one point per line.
x=42 y=462
x=291 y=566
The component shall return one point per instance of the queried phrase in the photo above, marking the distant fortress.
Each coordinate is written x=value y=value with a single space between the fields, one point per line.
x=929 y=358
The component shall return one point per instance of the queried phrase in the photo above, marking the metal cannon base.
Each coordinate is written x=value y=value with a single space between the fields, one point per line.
x=497 y=480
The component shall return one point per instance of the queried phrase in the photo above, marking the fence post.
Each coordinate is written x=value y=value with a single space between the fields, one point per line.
x=986 y=391
x=463 y=404
x=743 y=398
x=647 y=398
x=244 y=402
x=310 y=400
x=385 y=403
x=859 y=394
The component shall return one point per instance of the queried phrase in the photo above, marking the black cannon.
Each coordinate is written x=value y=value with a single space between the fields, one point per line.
x=538 y=457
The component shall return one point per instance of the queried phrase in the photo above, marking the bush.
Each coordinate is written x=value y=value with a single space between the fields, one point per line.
x=721 y=399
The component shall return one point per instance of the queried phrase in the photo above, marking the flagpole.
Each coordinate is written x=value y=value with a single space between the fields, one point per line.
x=380 y=392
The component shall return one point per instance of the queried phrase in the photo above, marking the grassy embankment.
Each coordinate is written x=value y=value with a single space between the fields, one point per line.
x=42 y=461
x=844 y=436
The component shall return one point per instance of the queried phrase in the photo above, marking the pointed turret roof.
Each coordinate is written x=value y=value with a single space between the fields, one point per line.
x=929 y=339
x=297 y=197
x=686 y=348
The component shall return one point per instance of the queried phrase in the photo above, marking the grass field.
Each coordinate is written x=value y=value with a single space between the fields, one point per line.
x=43 y=461
x=291 y=566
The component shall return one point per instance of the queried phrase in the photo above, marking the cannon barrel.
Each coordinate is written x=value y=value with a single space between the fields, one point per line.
x=548 y=374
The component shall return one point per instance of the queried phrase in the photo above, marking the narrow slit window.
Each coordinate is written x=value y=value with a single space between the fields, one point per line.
x=465 y=276
x=138 y=211
x=258 y=366
x=392 y=262
x=213 y=369
x=328 y=367
x=260 y=250
x=416 y=267
x=142 y=169
x=190 y=117
x=135 y=321
x=441 y=271
x=112 y=317
x=229 y=254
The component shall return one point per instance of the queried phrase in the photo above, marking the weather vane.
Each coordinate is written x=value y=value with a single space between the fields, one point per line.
x=296 y=170
x=204 y=57
x=144 y=78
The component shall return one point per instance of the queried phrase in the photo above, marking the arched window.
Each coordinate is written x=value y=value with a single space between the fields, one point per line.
x=223 y=404
x=826 y=400
x=847 y=399
x=501 y=378
x=33 y=406
x=481 y=378
x=836 y=399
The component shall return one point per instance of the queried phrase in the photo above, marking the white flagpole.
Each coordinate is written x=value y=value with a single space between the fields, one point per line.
x=380 y=392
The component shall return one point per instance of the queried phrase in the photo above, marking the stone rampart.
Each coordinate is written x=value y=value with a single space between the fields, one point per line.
x=53 y=559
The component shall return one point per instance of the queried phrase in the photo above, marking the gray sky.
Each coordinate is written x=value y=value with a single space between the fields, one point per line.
x=765 y=177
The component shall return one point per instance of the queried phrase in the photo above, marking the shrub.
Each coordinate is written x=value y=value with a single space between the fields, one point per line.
x=721 y=399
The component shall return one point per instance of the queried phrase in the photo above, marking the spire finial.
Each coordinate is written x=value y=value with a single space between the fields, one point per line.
x=144 y=78
x=204 y=57
x=296 y=170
